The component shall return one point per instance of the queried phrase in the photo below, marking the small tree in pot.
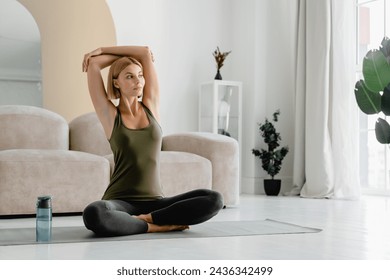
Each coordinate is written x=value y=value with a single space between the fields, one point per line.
x=271 y=159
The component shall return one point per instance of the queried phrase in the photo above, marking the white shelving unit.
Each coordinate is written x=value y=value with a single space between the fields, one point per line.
x=220 y=110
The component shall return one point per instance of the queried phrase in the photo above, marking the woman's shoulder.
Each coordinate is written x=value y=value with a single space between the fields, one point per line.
x=150 y=112
x=145 y=106
x=152 y=109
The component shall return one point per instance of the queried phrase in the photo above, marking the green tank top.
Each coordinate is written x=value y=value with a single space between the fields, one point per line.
x=136 y=152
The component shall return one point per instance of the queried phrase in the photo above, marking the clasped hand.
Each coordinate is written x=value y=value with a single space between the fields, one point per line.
x=88 y=56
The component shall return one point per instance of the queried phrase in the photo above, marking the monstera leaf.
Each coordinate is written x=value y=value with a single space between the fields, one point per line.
x=385 y=101
x=376 y=71
x=385 y=48
x=382 y=131
x=368 y=101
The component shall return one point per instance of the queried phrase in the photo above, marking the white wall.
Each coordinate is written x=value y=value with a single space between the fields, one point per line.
x=264 y=44
x=281 y=67
x=184 y=33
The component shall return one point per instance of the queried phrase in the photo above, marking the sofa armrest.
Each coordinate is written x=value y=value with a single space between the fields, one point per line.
x=222 y=151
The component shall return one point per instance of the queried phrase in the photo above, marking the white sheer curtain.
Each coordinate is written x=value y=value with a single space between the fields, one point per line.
x=326 y=158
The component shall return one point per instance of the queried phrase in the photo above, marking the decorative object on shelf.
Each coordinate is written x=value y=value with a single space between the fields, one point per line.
x=219 y=58
x=220 y=108
x=271 y=158
x=373 y=93
x=224 y=113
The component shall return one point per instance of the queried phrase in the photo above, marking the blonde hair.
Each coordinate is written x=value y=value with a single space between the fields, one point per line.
x=115 y=69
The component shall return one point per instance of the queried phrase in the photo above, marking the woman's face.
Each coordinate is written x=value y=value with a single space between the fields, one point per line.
x=130 y=81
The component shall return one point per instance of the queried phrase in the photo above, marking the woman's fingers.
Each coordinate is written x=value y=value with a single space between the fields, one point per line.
x=88 y=56
x=85 y=62
x=151 y=54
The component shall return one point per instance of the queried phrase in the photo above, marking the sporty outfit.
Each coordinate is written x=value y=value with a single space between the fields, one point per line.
x=135 y=187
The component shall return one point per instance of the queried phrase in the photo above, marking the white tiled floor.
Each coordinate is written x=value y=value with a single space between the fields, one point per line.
x=350 y=230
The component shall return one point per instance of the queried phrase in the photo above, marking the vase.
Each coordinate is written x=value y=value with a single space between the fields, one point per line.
x=218 y=76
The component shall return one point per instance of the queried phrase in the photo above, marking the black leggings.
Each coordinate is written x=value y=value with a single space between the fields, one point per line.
x=114 y=217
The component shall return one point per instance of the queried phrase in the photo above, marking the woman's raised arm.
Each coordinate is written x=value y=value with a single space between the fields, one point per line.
x=151 y=94
x=93 y=63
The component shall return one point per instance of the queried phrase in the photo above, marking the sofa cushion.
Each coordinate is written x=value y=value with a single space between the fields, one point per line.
x=223 y=153
x=182 y=172
x=27 y=127
x=87 y=135
x=74 y=179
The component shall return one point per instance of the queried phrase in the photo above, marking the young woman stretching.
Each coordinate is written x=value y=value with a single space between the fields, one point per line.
x=134 y=202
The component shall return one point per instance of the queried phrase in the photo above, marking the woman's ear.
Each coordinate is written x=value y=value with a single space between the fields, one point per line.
x=115 y=82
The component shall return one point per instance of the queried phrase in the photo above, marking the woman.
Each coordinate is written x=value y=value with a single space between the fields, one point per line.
x=133 y=202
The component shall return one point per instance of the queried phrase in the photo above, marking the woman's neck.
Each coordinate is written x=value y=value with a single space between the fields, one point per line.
x=129 y=105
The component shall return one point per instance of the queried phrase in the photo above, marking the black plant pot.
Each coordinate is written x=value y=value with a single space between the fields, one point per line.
x=272 y=186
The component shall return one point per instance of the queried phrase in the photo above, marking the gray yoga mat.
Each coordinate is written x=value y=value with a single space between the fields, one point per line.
x=75 y=234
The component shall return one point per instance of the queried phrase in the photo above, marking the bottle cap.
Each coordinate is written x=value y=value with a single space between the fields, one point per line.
x=44 y=201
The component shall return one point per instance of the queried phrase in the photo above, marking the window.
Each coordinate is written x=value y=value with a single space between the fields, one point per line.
x=373 y=23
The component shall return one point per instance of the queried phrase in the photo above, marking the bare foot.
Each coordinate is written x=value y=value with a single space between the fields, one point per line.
x=166 y=228
x=160 y=228
x=145 y=217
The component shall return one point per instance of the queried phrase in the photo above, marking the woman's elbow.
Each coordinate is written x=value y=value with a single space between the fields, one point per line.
x=147 y=53
x=94 y=64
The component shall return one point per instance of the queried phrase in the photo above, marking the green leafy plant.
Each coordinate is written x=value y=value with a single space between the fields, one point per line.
x=373 y=92
x=271 y=158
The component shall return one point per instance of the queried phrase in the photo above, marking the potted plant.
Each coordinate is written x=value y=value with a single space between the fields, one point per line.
x=373 y=92
x=271 y=158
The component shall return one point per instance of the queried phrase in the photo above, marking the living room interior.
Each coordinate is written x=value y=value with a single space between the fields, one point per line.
x=299 y=57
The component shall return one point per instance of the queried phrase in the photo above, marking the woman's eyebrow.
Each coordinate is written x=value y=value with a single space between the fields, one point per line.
x=133 y=73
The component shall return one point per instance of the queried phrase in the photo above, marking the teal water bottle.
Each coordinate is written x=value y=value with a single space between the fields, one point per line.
x=43 y=219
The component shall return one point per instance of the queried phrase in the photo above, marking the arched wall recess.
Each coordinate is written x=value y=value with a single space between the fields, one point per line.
x=20 y=56
x=69 y=29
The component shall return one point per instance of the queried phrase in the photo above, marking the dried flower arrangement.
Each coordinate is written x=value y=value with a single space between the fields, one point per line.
x=219 y=58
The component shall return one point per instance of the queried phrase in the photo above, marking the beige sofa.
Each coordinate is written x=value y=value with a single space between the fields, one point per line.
x=41 y=154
